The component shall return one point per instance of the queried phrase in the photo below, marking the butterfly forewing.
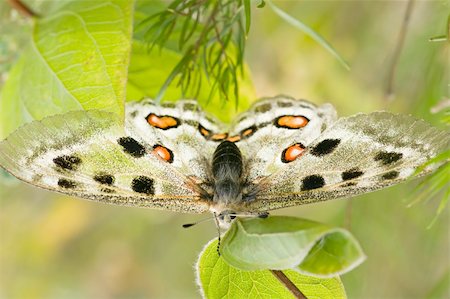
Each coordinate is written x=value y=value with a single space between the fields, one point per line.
x=90 y=155
x=357 y=154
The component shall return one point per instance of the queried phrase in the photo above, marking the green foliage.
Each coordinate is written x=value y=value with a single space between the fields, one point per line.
x=437 y=183
x=308 y=31
x=290 y=243
x=77 y=59
x=217 y=279
x=211 y=35
x=146 y=76
x=443 y=37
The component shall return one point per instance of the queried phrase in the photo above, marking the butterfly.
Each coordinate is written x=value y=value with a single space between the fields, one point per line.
x=282 y=152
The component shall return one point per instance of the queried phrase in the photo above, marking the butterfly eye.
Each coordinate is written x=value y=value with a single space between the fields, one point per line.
x=232 y=217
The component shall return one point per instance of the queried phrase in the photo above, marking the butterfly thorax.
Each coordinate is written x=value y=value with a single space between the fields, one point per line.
x=227 y=168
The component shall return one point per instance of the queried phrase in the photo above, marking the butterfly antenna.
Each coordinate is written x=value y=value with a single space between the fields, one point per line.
x=186 y=225
x=218 y=233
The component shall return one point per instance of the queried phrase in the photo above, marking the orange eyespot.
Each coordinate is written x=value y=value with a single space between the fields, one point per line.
x=219 y=137
x=234 y=138
x=163 y=152
x=291 y=121
x=162 y=122
x=248 y=132
x=205 y=132
x=293 y=152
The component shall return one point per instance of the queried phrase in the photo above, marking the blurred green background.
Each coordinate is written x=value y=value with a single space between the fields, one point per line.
x=55 y=247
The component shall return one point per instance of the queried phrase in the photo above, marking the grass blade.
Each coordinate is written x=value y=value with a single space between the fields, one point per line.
x=308 y=31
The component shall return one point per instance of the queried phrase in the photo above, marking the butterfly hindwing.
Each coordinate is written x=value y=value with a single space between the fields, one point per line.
x=357 y=154
x=89 y=154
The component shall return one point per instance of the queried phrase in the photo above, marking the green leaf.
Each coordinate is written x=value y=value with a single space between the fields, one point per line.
x=290 y=243
x=308 y=31
x=148 y=72
x=77 y=59
x=248 y=13
x=217 y=279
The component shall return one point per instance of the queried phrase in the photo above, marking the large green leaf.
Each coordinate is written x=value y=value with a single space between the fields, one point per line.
x=217 y=279
x=77 y=59
x=290 y=243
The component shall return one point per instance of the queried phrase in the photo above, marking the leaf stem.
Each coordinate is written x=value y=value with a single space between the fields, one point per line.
x=23 y=9
x=288 y=284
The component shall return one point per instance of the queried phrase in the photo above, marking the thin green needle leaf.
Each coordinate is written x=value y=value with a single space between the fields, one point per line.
x=308 y=31
x=247 y=9
x=171 y=77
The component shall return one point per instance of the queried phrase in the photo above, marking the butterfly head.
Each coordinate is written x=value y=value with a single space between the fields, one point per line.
x=226 y=217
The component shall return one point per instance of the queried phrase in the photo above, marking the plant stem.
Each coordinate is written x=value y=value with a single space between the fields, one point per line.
x=389 y=92
x=288 y=284
x=23 y=9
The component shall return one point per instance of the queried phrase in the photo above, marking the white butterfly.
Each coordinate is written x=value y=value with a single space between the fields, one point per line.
x=281 y=152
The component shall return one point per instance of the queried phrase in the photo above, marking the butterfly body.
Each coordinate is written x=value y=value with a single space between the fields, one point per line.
x=173 y=156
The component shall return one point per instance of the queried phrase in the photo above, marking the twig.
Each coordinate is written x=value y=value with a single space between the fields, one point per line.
x=398 y=49
x=23 y=9
x=288 y=284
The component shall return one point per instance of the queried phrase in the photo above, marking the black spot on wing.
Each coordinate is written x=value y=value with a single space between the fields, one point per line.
x=36 y=178
x=131 y=146
x=387 y=158
x=263 y=108
x=189 y=106
x=312 y=182
x=67 y=184
x=67 y=162
x=143 y=184
x=169 y=105
x=107 y=190
x=390 y=175
x=351 y=174
x=325 y=147
x=104 y=179
x=285 y=104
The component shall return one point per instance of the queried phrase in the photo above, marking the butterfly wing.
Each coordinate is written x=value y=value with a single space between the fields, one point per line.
x=271 y=126
x=90 y=155
x=357 y=154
